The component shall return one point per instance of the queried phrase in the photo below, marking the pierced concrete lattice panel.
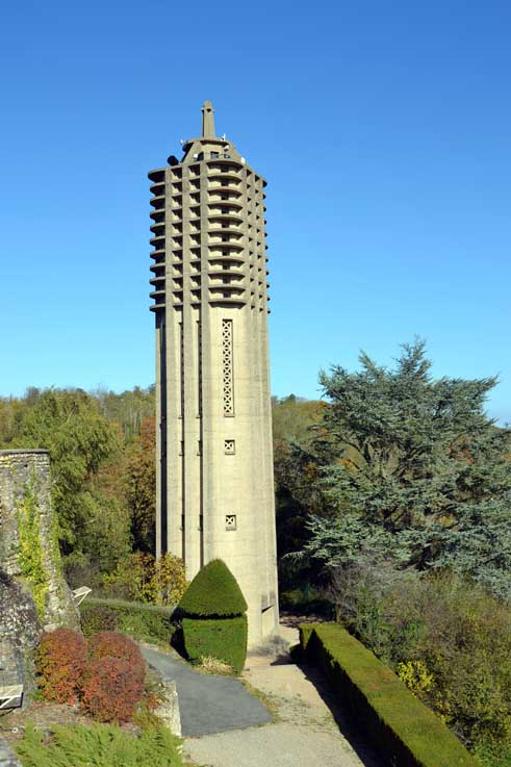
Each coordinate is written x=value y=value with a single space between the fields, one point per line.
x=227 y=365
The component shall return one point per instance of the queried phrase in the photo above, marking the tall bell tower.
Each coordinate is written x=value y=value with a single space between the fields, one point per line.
x=215 y=493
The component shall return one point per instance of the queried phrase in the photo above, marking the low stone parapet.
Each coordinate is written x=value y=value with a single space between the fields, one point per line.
x=168 y=710
x=7 y=758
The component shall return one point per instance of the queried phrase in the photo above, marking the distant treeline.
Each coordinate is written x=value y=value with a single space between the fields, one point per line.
x=393 y=498
x=102 y=451
x=102 y=446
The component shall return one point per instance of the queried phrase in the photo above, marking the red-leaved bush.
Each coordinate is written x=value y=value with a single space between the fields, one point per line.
x=112 y=644
x=60 y=662
x=111 y=690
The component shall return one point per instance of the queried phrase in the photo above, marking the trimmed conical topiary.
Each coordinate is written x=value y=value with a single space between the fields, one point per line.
x=214 y=623
x=213 y=593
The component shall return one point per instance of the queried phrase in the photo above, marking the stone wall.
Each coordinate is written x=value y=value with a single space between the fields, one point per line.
x=29 y=551
x=19 y=634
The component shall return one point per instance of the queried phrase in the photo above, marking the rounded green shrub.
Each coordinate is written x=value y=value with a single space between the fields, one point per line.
x=214 y=592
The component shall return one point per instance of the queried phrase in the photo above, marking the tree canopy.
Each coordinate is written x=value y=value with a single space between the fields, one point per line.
x=407 y=465
x=102 y=454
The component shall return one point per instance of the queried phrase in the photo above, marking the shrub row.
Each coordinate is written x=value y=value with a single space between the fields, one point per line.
x=403 y=729
x=446 y=638
x=150 y=623
x=105 y=675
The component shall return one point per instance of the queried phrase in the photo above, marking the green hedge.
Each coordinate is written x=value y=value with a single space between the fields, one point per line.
x=402 y=728
x=150 y=623
x=221 y=638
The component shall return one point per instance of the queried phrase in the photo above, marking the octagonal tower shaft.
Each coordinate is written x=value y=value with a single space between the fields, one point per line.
x=215 y=493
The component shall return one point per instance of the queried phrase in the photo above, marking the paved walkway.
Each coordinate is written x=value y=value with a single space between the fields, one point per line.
x=303 y=734
x=208 y=704
x=277 y=745
x=219 y=716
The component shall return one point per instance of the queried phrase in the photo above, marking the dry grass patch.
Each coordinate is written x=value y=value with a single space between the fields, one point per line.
x=210 y=665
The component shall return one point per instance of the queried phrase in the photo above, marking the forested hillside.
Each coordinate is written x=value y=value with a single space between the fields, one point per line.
x=393 y=497
x=102 y=447
x=395 y=505
x=390 y=465
x=102 y=450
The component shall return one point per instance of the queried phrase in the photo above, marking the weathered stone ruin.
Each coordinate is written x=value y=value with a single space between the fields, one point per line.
x=20 y=629
x=29 y=550
x=33 y=592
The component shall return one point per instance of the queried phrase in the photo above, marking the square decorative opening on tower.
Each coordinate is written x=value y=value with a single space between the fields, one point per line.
x=229 y=447
x=230 y=521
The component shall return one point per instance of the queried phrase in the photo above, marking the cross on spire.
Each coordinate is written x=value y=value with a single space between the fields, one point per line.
x=208 y=120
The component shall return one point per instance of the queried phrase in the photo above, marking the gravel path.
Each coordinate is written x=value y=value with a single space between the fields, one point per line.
x=219 y=717
x=276 y=745
x=208 y=704
x=304 y=733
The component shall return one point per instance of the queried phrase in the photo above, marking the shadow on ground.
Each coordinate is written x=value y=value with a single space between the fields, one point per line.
x=343 y=718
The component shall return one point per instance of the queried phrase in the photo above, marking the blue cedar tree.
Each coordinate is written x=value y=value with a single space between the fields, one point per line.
x=409 y=466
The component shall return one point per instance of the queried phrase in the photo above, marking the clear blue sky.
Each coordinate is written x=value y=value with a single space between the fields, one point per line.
x=383 y=127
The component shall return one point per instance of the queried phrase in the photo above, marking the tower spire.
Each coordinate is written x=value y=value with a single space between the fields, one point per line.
x=208 y=120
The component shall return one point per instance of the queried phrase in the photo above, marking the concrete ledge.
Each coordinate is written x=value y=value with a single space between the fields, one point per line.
x=402 y=728
x=168 y=710
x=7 y=758
x=25 y=451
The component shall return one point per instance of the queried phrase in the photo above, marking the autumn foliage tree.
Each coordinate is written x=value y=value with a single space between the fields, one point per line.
x=293 y=419
x=140 y=484
x=111 y=690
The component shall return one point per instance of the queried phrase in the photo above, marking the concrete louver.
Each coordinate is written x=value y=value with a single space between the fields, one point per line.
x=210 y=299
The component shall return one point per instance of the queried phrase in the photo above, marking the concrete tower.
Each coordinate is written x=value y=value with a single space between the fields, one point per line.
x=215 y=496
